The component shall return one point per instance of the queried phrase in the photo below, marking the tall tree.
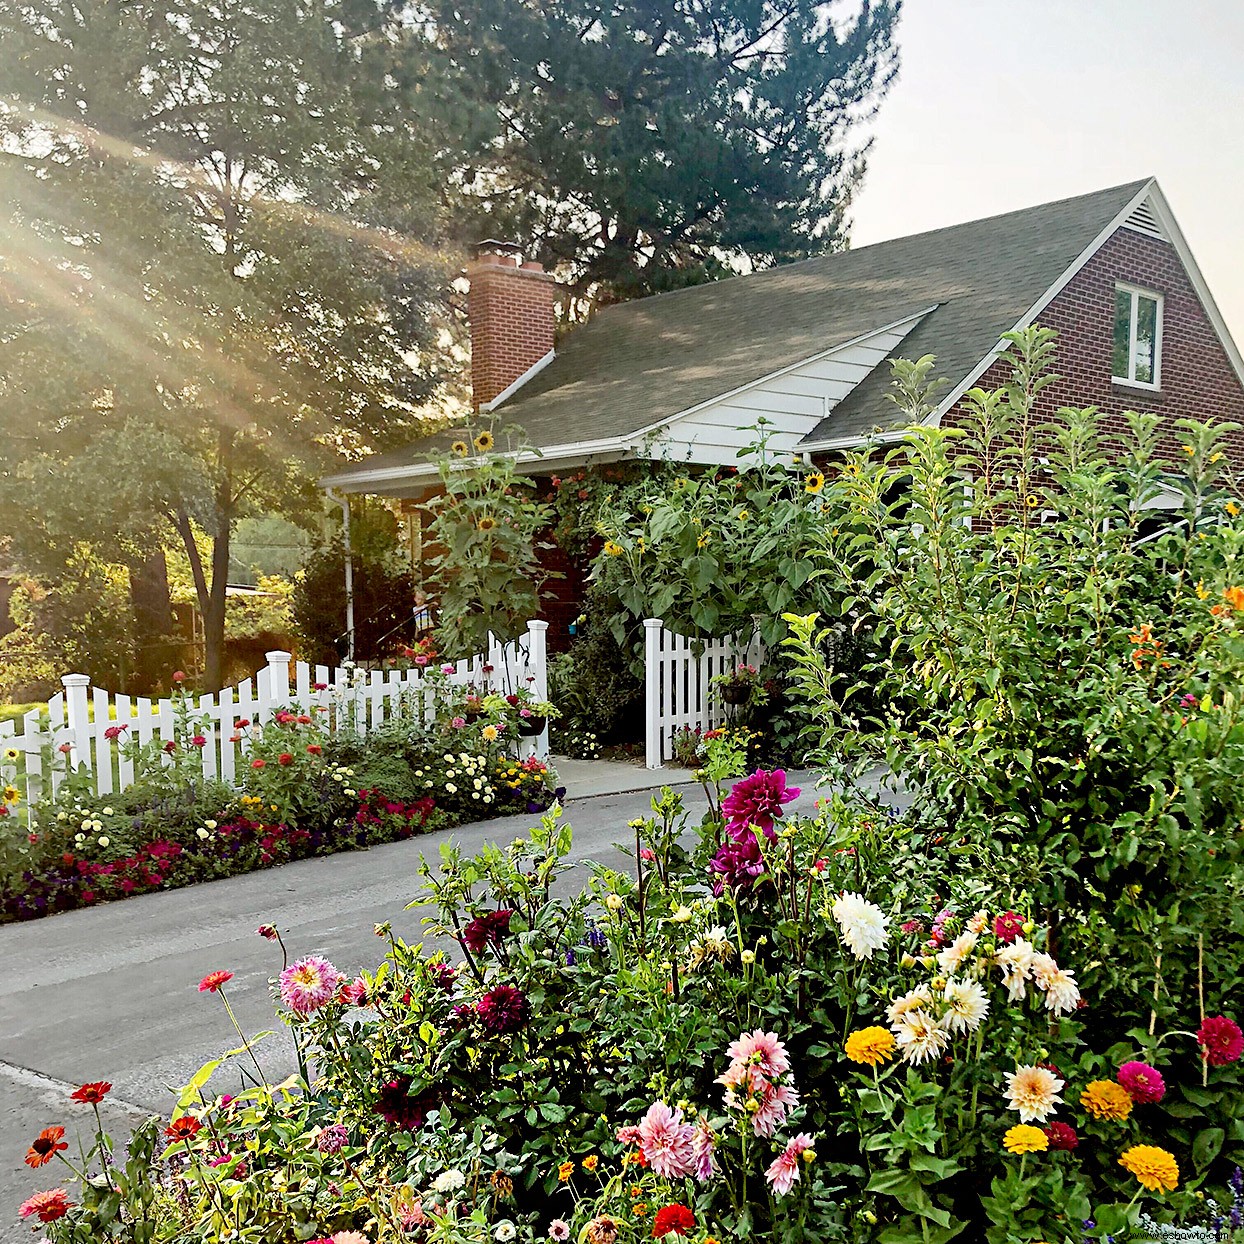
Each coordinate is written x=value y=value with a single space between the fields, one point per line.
x=217 y=248
x=642 y=145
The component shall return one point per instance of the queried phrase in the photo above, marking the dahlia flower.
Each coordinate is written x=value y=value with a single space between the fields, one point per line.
x=1015 y=961
x=762 y=1050
x=503 y=1009
x=783 y=1173
x=967 y=1004
x=757 y=800
x=775 y=1101
x=667 y=1141
x=1062 y=994
x=308 y=984
x=332 y=1139
x=702 y=1145
x=862 y=923
x=1144 y=1084
x=738 y=862
x=953 y=957
x=919 y=1037
x=917 y=999
x=1033 y=1091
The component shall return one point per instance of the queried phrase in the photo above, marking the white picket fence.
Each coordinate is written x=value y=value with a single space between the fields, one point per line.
x=677 y=684
x=72 y=732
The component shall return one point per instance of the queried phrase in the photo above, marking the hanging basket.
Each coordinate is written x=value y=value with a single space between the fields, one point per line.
x=737 y=693
x=529 y=727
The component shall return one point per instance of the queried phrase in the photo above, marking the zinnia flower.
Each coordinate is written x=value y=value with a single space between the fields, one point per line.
x=1221 y=1040
x=1025 y=1139
x=1104 y=1099
x=676 y=1218
x=1155 y=1169
x=919 y=1037
x=862 y=923
x=600 y=1230
x=757 y=800
x=1033 y=1091
x=783 y=1172
x=1062 y=1136
x=1144 y=1084
x=91 y=1094
x=214 y=981
x=185 y=1128
x=308 y=984
x=332 y=1139
x=870 y=1046
x=503 y=1009
x=45 y=1147
x=667 y=1141
x=559 y=1229
x=966 y=1006
x=48 y=1206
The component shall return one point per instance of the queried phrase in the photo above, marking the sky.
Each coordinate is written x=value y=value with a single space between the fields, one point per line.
x=1002 y=104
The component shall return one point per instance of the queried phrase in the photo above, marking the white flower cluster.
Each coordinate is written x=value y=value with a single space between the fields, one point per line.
x=463 y=774
x=1022 y=963
x=339 y=773
x=863 y=924
x=89 y=824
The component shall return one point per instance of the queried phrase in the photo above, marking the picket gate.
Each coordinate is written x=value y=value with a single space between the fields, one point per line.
x=72 y=733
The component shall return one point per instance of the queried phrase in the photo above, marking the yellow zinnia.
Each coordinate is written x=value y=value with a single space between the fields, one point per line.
x=484 y=442
x=1154 y=1168
x=870 y=1046
x=1104 y=1099
x=460 y=448
x=1024 y=1138
x=814 y=483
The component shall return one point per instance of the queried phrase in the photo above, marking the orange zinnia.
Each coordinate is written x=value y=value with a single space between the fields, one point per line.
x=91 y=1094
x=46 y=1146
x=1234 y=596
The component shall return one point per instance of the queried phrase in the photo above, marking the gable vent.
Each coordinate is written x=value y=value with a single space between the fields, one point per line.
x=1145 y=220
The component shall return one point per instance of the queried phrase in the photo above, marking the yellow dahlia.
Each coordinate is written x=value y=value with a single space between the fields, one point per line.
x=871 y=1046
x=1104 y=1099
x=1154 y=1168
x=1024 y=1138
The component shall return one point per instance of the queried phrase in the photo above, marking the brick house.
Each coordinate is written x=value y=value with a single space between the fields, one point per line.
x=682 y=376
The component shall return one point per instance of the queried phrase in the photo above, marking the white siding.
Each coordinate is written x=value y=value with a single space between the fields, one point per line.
x=793 y=401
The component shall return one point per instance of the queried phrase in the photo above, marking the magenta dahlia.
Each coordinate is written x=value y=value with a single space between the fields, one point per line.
x=758 y=800
x=738 y=862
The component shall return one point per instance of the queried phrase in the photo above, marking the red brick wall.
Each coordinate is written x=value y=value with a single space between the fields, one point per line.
x=511 y=313
x=1197 y=378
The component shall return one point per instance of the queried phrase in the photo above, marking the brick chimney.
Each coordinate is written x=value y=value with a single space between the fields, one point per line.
x=510 y=309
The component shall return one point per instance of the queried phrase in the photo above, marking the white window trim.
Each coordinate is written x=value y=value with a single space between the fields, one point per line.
x=1136 y=292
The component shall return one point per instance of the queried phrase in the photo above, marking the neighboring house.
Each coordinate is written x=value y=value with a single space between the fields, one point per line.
x=682 y=376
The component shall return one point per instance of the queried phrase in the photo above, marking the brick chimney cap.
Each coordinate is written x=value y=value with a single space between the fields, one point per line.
x=496 y=246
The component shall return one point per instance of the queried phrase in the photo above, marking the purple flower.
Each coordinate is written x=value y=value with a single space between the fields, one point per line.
x=332 y=1139
x=738 y=862
x=758 y=800
x=595 y=938
x=503 y=1009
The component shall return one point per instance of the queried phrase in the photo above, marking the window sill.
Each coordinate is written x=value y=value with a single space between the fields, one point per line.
x=1140 y=390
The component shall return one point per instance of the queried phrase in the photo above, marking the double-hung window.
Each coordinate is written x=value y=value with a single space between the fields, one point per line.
x=1137 y=336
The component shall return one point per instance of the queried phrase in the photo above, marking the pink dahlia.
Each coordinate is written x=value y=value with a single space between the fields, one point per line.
x=783 y=1174
x=762 y=1050
x=775 y=1101
x=758 y=800
x=502 y=1009
x=1221 y=1040
x=668 y=1143
x=309 y=984
x=702 y=1145
x=1144 y=1084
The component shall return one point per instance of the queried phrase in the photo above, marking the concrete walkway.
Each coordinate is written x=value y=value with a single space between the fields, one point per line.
x=109 y=992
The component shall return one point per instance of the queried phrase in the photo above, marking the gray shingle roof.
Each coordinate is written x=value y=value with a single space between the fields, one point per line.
x=640 y=362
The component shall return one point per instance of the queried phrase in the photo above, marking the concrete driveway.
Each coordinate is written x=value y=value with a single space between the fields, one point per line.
x=109 y=993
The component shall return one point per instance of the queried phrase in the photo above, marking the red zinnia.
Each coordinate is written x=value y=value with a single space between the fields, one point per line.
x=1221 y=1040
x=48 y=1205
x=285 y=759
x=314 y=749
x=258 y=764
x=185 y=1128
x=199 y=740
x=676 y=1218
x=1062 y=1136
x=45 y=1147
x=91 y=1094
x=214 y=981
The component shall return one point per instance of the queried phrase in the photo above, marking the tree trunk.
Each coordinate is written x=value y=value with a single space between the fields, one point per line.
x=214 y=612
x=153 y=622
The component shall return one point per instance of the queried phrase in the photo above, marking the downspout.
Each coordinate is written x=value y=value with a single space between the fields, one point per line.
x=343 y=500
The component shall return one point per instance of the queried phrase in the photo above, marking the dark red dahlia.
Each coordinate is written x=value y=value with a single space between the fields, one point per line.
x=396 y=1106
x=487 y=930
x=503 y=1009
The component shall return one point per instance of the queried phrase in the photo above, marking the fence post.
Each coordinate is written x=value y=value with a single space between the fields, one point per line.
x=538 y=668
x=652 y=693
x=78 y=718
x=277 y=679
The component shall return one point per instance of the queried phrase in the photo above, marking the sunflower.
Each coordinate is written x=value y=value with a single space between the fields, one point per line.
x=10 y=794
x=814 y=482
x=460 y=449
x=613 y=549
x=484 y=442
x=486 y=523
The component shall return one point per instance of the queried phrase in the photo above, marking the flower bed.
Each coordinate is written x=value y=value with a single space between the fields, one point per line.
x=302 y=793
x=860 y=1039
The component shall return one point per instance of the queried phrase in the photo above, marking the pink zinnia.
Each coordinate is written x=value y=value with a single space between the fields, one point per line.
x=49 y=1206
x=214 y=981
x=667 y=1142
x=458 y=722
x=783 y=1174
x=309 y=984
x=1221 y=1040
x=1008 y=926
x=757 y=800
x=762 y=1050
x=1144 y=1084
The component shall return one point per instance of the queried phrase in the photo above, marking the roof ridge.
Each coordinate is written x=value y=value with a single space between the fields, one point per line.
x=1133 y=186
